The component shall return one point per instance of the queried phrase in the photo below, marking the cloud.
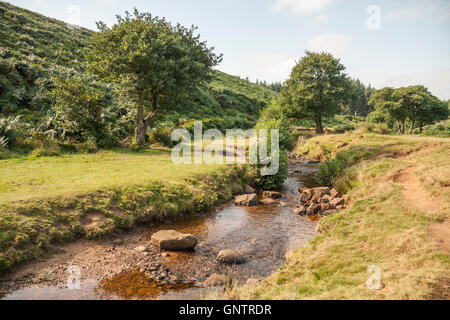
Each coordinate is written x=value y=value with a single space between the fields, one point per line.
x=275 y=67
x=334 y=43
x=301 y=7
x=438 y=9
x=322 y=18
x=271 y=67
x=404 y=13
x=105 y=2
x=73 y=15
x=438 y=82
x=40 y=3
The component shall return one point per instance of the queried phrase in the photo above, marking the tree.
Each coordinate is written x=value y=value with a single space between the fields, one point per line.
x=78 y=105
x=359 y=100
x=414 y=104
x=386 y=102
x=317 y=88
x=153 y=63
x=421 y=106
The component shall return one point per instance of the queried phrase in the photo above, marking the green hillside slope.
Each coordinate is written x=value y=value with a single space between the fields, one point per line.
x=34 y=48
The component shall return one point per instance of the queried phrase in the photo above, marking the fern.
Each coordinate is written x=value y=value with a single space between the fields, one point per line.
x=3 y=143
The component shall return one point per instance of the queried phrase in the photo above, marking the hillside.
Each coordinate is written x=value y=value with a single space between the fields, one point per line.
x=35 y=48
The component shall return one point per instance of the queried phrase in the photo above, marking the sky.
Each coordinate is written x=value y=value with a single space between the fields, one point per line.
x=382 y=43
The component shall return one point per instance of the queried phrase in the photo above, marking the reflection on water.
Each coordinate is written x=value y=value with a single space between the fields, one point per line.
x=87 y=292
x=263 y=234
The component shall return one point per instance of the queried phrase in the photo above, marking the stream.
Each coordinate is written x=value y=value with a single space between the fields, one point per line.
x=263 y=234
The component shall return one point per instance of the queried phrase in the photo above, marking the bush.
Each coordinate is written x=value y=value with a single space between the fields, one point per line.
x=376 y=117
x=269 y=182
x=440 y=129
x=273 y=118
x=329 y=171
x=12 y=128
x=161 y=135
x=79 y=102
x=86 y=147
x=341 y=128
x=380 y=128
x=46 y=148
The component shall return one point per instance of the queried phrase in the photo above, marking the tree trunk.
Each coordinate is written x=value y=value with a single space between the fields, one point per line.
x=319 y=127
x=399 y=128
x=140 y=123
x=412 y=127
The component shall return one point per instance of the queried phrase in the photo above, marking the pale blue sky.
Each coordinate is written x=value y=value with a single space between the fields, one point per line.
x=262 y=39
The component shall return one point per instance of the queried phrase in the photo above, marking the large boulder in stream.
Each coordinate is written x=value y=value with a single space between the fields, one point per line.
x=171 y=240
x=248 y=200
x=249 y=190
x=322 y=191
x=306 y=195
x=314 y=195
x=272 y=195
x=230 y=256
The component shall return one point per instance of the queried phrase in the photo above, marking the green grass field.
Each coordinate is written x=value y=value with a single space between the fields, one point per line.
x=50 y=200
x=36 y=178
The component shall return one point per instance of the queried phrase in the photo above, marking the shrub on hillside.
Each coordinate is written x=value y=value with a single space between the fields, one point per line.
x=272 y=182
x=329 y=171
x=377 y=117
x=440 y=129
x=380 y=128
x=12 y=128
x=161 y=135
x=46 y=148
x=79 y=103
x=273 y=118
x=342 y=128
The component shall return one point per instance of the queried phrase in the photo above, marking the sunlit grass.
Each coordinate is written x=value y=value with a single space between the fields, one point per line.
x=378 y=229
x=29 y=178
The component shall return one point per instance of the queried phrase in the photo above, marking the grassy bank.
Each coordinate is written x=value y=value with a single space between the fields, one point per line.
x=50 y=200
x=388 y=224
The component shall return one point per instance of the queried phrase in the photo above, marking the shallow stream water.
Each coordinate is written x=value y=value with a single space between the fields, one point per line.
x=263 y=234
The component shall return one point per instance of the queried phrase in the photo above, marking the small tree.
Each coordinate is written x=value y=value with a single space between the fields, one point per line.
x=78 y=107
x=153 y=63
x=317 y=88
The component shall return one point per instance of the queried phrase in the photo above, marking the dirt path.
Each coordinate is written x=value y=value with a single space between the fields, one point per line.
x=413 y=193
x=415 y=196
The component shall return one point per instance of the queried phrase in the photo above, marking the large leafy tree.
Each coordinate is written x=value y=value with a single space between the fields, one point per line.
x=421 y=106
x=317 y=88
x=414 y=104
x=155 y=64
